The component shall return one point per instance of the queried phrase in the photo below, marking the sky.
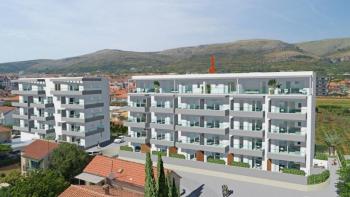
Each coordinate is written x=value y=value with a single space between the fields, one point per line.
x=53 y=29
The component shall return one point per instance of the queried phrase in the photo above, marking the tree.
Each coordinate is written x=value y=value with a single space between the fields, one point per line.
x=7 y=103
x=4 y=149
x=162 y=186
x=173 y=190
x=344 y=181
x=39 y=183
x=68 y=160
x=332 y=140
x=118 y=130
x=150 y=186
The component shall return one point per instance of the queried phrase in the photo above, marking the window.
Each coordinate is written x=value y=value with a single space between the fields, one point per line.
x=299 y=124
x=299 y=105
x=57 y=87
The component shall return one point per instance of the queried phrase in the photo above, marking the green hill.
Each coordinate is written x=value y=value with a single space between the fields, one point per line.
x=325 y=56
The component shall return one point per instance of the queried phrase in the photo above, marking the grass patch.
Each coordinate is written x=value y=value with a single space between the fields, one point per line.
x=293 y=171
x=126 y=148
x=321 y=156
x=240 y=164
x=159 y=152
x=217 y=161
x=318 y=178
x=176 y=155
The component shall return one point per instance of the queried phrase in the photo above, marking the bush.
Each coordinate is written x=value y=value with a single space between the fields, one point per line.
x=176 y=155
x=321 y=148
x=318 y=178
x=218 y=161
x=9 y=161
x=161 y=153
x=293 y=171
x=341 y=158
x=321 y=156
x=240 y=164
x=126 y=148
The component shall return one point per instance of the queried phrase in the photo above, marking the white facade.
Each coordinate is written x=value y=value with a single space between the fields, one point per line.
x=72 y=109
x=243 y=117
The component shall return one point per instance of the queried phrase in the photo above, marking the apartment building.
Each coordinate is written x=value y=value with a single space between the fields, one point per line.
x=70 y=109
x=266 y=120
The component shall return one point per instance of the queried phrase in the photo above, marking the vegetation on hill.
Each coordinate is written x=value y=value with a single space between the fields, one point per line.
x=333 y=117
x=325 y=56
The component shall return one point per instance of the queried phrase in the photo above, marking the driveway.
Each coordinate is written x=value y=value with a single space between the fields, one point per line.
x=208 y=186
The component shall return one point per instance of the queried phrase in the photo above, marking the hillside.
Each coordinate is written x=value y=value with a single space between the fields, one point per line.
x=325 y=56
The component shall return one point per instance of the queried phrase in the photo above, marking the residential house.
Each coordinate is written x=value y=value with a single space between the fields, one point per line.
x=36 y=155
x=6 y=115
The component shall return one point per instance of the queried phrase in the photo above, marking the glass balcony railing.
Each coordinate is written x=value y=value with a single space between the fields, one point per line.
x=257 y=146
x=136 y=119
x=162 y=121
x=285 y=110
x=218 y=125
x=248 y=109
x=290 y=150
x=195 y=141
x=287 y=130
x=190 y=124
x=162 y=105
x=133 y=104
x=249 y=128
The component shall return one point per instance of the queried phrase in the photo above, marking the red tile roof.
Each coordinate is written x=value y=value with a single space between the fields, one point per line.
x=125 y=171
x=4 y=129
x=39 y=149
x=96 y=191
x=5 y=109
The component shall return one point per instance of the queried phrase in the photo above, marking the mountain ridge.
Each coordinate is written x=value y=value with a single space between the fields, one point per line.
x=324 y=56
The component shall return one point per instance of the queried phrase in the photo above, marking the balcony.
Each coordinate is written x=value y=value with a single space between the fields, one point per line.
x=78 y=119
x=201 y=112
x=256 y=132
x=20 y=116
x=287 y=134
x=77 y=105
x=255 y=112
x=136 y=122
x=20 y=104
x=136 y=107
x=249 y=151
x=162 y=142
x=75 y=92
x=160 y=124
x=195 y=128
x=28 y=92
x=42 y=104
x=21 y=128
x=287 y=116
x=137 y=139
x=42 y=130
x=78 y=133
x=42 y=117
x=285 y=156
x=162 y=108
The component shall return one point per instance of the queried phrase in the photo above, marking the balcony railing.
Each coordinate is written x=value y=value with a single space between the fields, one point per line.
x=250 y=128
x=136 y=119
x=248 y=109
x=133 y=104
x=286 y=130
x=286 y=110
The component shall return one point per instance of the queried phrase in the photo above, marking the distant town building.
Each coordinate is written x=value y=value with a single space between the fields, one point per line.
x=70 y=109
x=322 y=83
x=7 y=84
x=36 y=155
x=6 y=115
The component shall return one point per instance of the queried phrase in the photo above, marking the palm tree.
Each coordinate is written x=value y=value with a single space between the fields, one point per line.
x=332 y=140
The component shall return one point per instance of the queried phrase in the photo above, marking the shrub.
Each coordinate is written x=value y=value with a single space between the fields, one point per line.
x=9 y=161
x=341 y=158
x=161 y=153
x=321 y=156
x=126 y=148
x=318 y=178
x=293 y=171
x=176 y=155
x=321 y=148
x=240 y=164
x=218 y=161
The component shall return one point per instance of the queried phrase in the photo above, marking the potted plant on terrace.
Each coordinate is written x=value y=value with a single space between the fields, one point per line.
x=156 y=86
x=272 y=83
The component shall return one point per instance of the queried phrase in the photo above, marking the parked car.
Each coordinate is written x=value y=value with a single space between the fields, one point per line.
x=119 y=140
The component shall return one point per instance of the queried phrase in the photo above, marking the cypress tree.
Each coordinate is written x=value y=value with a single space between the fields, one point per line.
x=162 y=188
x=174 y=190
x=150 y=189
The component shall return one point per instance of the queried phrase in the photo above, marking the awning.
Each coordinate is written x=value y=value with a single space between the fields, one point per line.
x=90 y=178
